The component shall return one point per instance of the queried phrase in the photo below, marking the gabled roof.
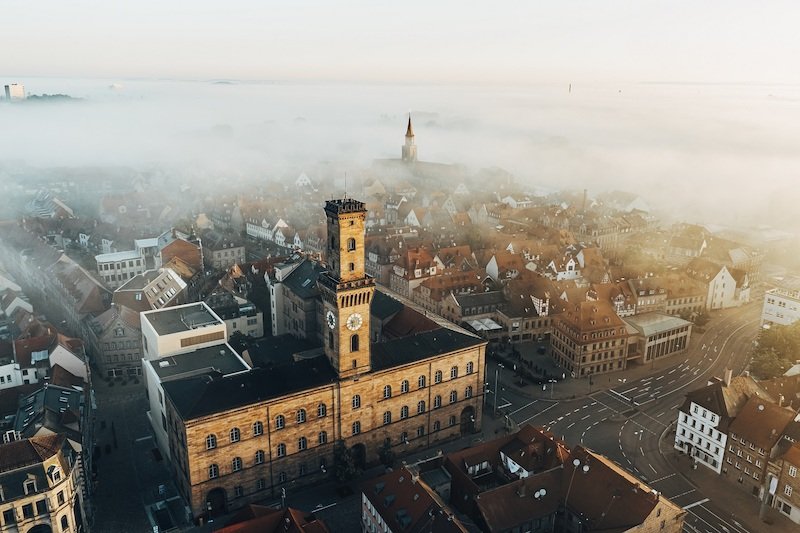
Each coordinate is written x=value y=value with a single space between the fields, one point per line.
x=26 y=452
x=761 y=422
x=725 y=400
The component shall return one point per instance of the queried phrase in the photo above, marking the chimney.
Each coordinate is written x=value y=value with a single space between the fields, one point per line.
x=728 y=376
x=781 y=399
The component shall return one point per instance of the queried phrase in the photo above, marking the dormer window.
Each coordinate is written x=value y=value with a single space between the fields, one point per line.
x=30 y=486
x=55 y=473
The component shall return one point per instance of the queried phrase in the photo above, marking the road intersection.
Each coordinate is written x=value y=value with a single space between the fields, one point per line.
x=630 y=418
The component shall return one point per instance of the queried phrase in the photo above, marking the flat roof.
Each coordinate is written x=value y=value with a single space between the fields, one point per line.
x=146 y=243
x=220 y=358
x=181 y=318
x=654 y=323
x=117 y=256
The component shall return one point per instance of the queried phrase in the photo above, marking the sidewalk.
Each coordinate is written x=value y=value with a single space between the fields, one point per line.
x=722 y=493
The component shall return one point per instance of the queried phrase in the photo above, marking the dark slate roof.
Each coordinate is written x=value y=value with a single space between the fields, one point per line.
x=303 y=279
x=203 y=395
x=413 y=348
x=384 y=306
x=474 y=299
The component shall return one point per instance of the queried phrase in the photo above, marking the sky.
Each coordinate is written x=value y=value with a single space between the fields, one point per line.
x=730 y=41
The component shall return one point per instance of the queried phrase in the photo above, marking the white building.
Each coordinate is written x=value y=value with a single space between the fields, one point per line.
x=703 y=420
x=118 y=267
x=781 y=306
x=178 y=342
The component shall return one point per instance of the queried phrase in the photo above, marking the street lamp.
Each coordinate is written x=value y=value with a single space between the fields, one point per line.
x=552 y=386
x=576 y=464
x=640 y=433
x=496 y=380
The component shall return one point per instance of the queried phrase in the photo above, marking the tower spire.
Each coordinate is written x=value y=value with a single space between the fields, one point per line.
x=409 y=130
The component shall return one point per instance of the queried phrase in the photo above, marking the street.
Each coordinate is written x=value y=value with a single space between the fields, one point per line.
x=629 y=420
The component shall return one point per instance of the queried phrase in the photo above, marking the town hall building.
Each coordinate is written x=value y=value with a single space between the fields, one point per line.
x=376 y=383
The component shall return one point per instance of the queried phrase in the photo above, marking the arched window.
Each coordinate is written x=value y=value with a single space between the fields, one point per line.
x=280 y=422
x=351 y=244
x=260 y=457
x=421 y=382
x=322 y=411
x=453 y=396
x=437 y=377
x=236 y=435
x=302 y=444
x=351 y=266
x=281 y=449
x=213 y=471
x=404 y=386
x=437 y=401
x=64 y=523
x=404 y=412
x=454 y=372
x=387 y=418
x=282 y=477
x=322 y=438
x=353 y=343
x=420 y=407
x=420 y=431
x=356 y=427
x=211 y=442
x=236 y=464
x=470 y=367
x=437 y=425
x=356 y=401
x=387 y=391
x=468 y=392
x=258 y=428
x=301 y=416
x=452 y=420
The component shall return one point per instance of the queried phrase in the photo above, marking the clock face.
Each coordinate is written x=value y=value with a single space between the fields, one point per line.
x=354 y=322
x=331 y=319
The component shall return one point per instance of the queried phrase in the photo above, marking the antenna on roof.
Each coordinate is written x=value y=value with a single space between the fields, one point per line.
x=345 y=184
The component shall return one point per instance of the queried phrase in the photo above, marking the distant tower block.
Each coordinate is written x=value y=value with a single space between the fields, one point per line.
x=409 y=148
x=15 y=91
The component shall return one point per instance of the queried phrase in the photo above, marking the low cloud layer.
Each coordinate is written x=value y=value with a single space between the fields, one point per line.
x=705 y=153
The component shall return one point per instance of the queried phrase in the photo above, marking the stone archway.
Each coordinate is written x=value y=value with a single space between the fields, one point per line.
x=359 y=454
x=467 y=420
x=41 y=528
x=216 y=502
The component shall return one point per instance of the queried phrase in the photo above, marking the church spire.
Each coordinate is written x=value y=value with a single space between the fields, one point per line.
x=409 y=130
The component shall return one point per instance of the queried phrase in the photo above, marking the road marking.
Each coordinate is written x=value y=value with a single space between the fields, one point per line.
x=629 y=390
x=539 y=413
x=569 y=426
x=682 y=494
x=659 y=414
x=641 y=450
x=712 y=513
x=523 y=407
x=659 y=377
x=671 y=371
x=695 y=504
x=653 y=469
x=585 y=417
x=663 y=478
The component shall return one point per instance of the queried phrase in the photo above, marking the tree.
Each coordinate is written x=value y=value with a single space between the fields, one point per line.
x=702 y=319
x=767 y=363
x=344 y=467
x=386 y=454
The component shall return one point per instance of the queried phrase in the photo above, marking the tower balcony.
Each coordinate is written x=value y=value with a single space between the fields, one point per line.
x=327 y=280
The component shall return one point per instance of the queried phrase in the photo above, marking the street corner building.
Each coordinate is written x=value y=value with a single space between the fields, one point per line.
x=382 y=374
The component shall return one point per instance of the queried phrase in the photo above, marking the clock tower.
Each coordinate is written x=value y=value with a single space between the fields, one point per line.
x=346 y=290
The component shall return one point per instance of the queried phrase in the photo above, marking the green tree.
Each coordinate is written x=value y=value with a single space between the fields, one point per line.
x=386 y=454
x=767 y=363
x=344 y=467
x=702 y=319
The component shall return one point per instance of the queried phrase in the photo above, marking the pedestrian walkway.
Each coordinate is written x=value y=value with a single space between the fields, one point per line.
x=744 y=508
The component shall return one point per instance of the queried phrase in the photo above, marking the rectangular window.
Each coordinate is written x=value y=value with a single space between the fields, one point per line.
x=9 y=517
x=41 y=507
x=27 y=511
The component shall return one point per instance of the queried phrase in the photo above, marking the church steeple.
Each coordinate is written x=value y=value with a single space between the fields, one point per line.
x=409 y=148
